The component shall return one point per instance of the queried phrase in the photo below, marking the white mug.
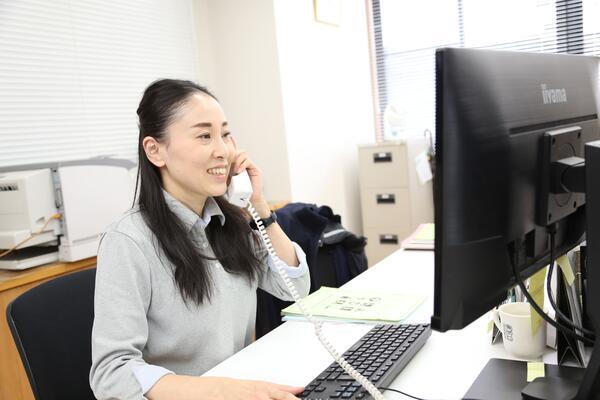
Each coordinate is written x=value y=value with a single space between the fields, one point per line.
x=514 y=321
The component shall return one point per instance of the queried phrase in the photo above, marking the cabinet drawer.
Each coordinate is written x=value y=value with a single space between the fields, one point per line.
x=386 y=208
x=381 y=243
x=382 y=166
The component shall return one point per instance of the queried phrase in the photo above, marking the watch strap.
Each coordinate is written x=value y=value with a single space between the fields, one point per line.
x=265 y=221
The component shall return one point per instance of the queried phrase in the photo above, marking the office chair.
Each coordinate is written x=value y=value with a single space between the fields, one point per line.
x=51 y=325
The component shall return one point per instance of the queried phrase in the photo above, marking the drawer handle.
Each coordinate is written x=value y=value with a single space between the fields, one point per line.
x=382 y=157
x=386 y=198
x=388 y=239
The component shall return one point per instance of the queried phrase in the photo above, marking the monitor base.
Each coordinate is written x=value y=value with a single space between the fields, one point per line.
x=551 y=388
x=507 y=379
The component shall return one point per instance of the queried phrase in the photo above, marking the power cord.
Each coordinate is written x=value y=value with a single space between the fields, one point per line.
x=559 y=313
x=401 y=392
x=373 y=391
x=537 y=308
x=39 y=232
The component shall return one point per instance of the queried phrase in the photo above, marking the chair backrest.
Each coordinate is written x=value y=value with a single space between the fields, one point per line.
x=51 y=325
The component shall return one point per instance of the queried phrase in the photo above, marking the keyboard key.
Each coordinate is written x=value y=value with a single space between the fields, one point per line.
x=333 y=376
x=322 y=377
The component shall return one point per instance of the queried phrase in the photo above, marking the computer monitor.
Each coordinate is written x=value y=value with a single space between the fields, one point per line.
x=503 y=119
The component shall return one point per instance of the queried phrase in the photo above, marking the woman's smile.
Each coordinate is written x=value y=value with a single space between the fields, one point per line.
x=218 y=173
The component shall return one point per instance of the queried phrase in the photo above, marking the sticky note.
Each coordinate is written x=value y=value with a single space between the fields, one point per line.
x=536 y=289
x=535 y=370
x=567 y=270
x=490 y=325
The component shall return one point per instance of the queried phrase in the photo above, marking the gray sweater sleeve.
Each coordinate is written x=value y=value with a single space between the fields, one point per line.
x=270 y=280
x=120 y=331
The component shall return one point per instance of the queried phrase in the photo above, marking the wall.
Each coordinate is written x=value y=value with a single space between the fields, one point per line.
x=297 y=92
x=239 y=62
x=325 y=79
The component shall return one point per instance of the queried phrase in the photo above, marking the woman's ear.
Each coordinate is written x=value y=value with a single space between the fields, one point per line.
x=152 y=150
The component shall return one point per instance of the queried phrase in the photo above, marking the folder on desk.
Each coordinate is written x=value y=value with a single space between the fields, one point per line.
x=423 y=238
x=356 y=306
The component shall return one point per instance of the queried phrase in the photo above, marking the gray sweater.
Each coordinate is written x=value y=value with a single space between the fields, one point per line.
x=142 y=327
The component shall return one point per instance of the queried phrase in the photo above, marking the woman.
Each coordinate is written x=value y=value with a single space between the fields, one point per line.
x=177 y=274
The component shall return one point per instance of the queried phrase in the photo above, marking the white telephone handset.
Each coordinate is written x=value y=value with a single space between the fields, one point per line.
x=240 y=189
x=238 y=193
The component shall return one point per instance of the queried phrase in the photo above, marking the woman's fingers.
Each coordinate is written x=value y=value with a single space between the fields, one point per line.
x=243 y=162
x=285 y=392
x=238 y=160
x=243 y=166
x=291 y=389
x=280 y=395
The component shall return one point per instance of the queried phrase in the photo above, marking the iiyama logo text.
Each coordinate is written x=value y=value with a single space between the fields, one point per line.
x=553 y=96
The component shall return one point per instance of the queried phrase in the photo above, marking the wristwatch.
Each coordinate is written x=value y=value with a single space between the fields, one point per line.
x=265 y=221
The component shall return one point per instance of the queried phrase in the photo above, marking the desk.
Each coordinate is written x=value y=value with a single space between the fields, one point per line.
x=443 y=369
x=13 y=380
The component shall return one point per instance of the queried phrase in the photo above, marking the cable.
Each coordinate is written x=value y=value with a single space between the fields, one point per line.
x=50 y=218
x=373 y=391
x=401 y=392
x=559 y=313
x=537 y=308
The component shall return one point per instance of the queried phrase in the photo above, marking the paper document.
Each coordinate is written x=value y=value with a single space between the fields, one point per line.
x=536 y=289
x=567 y=270
x=357 y=306
x=422 y=239
x=423 y=168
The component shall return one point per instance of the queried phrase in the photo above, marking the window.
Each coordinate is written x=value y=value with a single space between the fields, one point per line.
x=410 y=32
x=72 y=73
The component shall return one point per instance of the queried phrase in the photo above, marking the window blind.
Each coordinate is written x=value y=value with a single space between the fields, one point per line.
x=72 y=73
x=410 y=33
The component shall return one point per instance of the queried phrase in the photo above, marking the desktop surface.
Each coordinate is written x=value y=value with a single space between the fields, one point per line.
x=445 y=368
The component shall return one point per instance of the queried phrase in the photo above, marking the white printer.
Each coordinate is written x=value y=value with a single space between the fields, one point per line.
x=87 y=194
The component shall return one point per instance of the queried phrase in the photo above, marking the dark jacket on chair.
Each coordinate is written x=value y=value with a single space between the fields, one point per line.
x=334 y=255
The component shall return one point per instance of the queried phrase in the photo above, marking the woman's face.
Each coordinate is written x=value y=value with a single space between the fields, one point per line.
x=197 y=151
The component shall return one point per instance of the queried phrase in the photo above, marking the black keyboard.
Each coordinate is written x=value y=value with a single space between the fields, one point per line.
x=379 y=355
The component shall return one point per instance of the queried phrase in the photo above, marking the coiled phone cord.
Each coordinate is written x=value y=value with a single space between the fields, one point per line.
x=373 y=391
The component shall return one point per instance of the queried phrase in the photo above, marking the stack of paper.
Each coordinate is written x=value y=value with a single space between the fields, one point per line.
x=422 y=239
x=356 y=306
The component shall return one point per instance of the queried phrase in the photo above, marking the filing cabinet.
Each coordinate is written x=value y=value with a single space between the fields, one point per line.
x=394 y=200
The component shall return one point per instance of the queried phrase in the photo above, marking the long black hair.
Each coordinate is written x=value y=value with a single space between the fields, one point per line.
x=231 y=243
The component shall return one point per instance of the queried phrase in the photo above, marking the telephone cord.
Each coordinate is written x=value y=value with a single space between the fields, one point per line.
x=373 y=391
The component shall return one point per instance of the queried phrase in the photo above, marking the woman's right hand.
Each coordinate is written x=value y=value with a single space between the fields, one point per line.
x=235 y=389
x=182 y=387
